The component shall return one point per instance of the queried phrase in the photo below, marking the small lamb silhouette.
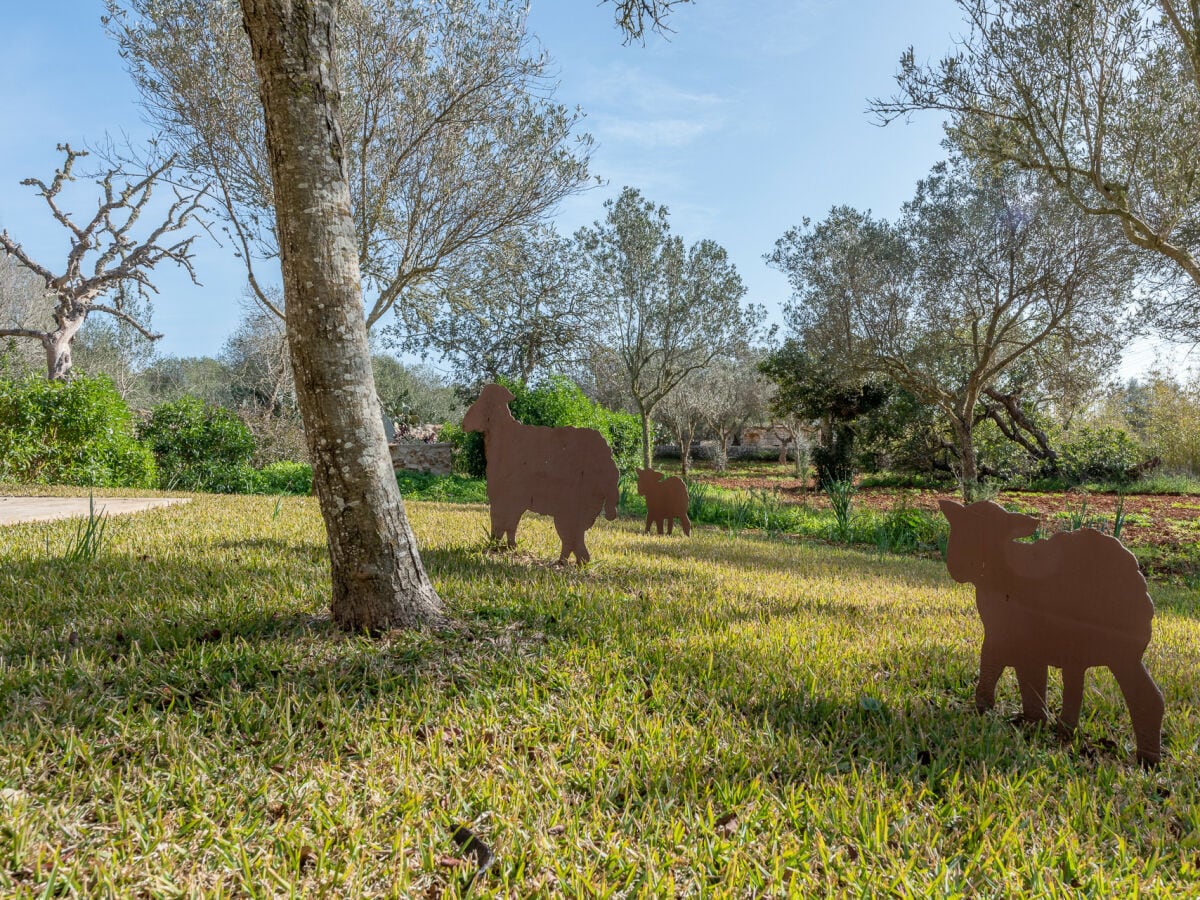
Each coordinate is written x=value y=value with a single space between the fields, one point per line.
x=1074 y=601
x=565 y=473
x=666 y=500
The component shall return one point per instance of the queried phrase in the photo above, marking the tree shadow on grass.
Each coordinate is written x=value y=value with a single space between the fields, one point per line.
x=174 y=638
x=761 y=554
x=313 y=553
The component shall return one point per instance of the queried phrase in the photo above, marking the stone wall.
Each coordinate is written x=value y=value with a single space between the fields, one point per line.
x=421 y=457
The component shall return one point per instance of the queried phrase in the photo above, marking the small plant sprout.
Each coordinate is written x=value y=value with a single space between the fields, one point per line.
x=89 y=536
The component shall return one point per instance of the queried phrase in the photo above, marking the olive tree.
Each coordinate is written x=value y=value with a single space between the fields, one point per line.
x=681 y=413
x=450 y=132
x=663 y=309
x=983 y=268
x=1102 y=98
x=377 y=576
x=734 y=393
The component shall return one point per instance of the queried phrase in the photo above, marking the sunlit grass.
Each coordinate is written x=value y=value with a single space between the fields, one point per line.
x=714 y=715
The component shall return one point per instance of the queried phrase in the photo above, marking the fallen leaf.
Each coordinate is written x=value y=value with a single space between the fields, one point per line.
x=468 y=843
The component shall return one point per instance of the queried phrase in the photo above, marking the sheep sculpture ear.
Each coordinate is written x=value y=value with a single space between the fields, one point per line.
x=950 y=508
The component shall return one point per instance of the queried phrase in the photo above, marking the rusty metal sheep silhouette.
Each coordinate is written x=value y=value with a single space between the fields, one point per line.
x=666 y=500
x=1074 y=601
x=566 y=473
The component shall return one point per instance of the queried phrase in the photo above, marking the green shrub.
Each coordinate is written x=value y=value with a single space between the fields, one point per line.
x=200 y=447
x=70 y=432
x=441 y=488
x=468 y=450
x=285 y=478
x=1097 y=453
x=555 y=402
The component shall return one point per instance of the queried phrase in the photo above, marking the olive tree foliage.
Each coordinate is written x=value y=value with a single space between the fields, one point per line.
x=818 y=390
x=984 y=268
x=665 y=310
x=414 y=395
x=510 y=309
x=1102 y=97
x=110 y=257
x=681 y=413
x=451 y=136
x=734 y=394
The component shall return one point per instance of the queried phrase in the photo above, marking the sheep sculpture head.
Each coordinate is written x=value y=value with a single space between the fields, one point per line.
x=976 y=529
x=491 y=406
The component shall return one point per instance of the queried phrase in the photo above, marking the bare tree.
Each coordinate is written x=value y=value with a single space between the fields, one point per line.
x=665 y=310
x=1100 y=96
x=105 y=259
x=450 y=131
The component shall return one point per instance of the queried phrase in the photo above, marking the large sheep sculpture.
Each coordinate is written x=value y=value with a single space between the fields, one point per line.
x=565 y=473
x=1074 y=601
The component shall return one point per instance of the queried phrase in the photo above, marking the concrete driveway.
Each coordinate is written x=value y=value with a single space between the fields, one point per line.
x=43 y=509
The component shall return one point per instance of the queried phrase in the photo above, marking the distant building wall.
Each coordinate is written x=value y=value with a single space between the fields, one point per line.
x=420 y=457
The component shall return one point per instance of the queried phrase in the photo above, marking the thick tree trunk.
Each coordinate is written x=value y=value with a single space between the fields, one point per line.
x=58 y=347
x=647 y=449
x=969 y=470
x=721 y=452
x=684 y=436
x=378 y=579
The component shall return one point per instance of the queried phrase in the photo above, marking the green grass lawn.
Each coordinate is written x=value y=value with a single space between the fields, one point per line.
x=715 y=716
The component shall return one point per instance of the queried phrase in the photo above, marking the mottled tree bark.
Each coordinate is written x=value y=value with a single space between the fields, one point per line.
x=58 y=344
x=378 y=579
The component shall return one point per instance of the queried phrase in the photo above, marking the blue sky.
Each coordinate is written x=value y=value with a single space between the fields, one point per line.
x=747 y=118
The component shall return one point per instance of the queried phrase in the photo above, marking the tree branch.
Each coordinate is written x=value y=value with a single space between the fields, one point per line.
x=126 y=318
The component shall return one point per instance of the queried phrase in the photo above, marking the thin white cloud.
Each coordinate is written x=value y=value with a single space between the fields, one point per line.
x=651 y=133
x=628 y=107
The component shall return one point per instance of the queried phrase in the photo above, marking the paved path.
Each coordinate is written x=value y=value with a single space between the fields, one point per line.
x=42 y=509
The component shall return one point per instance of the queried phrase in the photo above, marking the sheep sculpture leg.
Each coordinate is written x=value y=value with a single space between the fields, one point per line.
x=1146 y=708
x=1068 y=720
x=1032 y=681
x=572 y=536
x=504 y=527
x=991 y=667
